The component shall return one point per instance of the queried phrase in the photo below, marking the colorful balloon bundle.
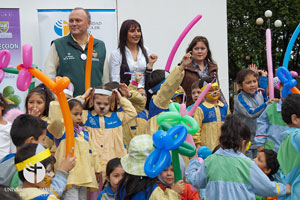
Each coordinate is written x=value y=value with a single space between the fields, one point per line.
x=26 y=71
x=171 y=137
x=284 y=75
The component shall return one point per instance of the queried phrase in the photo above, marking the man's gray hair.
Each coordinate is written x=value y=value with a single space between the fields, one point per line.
x=86 y=12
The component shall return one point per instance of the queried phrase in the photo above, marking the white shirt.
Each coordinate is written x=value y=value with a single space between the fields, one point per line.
x=139 y=65
x=6 y=144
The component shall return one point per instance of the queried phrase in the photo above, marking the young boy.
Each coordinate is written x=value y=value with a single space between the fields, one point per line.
x=210 y=116
x=37 y=177
x=289 y=151
x=25 y=129
x=196 y=91
x=270 y=125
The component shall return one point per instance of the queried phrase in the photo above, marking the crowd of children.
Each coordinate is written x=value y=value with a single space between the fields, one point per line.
x=256 y=150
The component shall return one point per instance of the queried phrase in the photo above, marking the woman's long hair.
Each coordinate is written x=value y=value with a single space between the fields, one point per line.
x=126 y=25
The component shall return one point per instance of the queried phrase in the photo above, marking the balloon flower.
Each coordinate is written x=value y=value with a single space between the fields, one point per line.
x=57 y=87
x=289 y=84
x=290 y=46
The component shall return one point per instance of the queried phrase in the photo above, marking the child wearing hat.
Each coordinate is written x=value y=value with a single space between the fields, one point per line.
x=135 y=184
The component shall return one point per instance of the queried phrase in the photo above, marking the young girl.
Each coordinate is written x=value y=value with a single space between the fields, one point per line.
x=163 y=88
x=210 y=115
x=37 y=103
x=114 y=173
x=6 y=145
x=249 y=103
x=185 y=190
x=83 y=177
x=104 y=123
x=135 y=184
x=228 y=173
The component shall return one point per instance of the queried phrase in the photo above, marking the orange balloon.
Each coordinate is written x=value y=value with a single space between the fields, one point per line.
x=57 y=88
x=88 y=66
x=295 y=90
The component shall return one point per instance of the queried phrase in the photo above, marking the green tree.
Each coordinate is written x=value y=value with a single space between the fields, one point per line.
x=247 y=40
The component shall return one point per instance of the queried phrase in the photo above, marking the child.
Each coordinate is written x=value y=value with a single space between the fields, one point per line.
x=6 y=145
x=267 y=161
x=228 y=173
x=270 y=125
x=163 y=89
x=114 y=173
x=249 y=103
x=37 y=103
x=83 y=176
x=289 y=151
x=138 y=125
x=25 y=129
x=196 y=91
x=104 y=123
x=210 y=116
x=38 y=187
x=135 y=184
x=185 y=190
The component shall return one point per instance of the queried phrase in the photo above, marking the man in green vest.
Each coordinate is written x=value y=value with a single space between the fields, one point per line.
x=67 y=55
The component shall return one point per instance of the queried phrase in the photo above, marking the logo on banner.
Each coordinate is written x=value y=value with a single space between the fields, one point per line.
x=4 y=27
x=61 y=27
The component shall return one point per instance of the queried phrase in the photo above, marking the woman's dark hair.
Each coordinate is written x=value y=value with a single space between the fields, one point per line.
x=205 y=41
x=3 y=104
x=233 y=132
x=110 y=167
x=133 y=184
x=89 y=104
x=272 y=162
x=45 y=94
x=290 y=106
x=126 y=25
x=27 y=151
x=74 y=102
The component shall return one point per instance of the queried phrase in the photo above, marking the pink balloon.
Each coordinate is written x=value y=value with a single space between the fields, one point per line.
x=270 y=64
x=199 y=100
x=179 y=40
x=24 y=79
x=27 y=55
x=4 y=61
x=24 y=76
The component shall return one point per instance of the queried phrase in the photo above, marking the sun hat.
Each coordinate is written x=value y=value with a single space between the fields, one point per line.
x=139 y=149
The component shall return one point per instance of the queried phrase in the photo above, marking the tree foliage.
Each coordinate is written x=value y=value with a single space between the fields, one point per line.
x=247 y=40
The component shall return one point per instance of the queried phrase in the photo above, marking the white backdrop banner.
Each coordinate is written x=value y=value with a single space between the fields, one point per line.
x=55 y=23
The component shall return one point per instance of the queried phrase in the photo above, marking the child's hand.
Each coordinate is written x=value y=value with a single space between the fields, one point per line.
x=288 y=189
x=124 y=90
x=178 y=187
x=272 y=100
x=263 y=72
x=253 y=67
x=260 y=148
x=117 y=93
x=68 y=163
x=87 y=93
x=35 y=112
x=186 y=60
